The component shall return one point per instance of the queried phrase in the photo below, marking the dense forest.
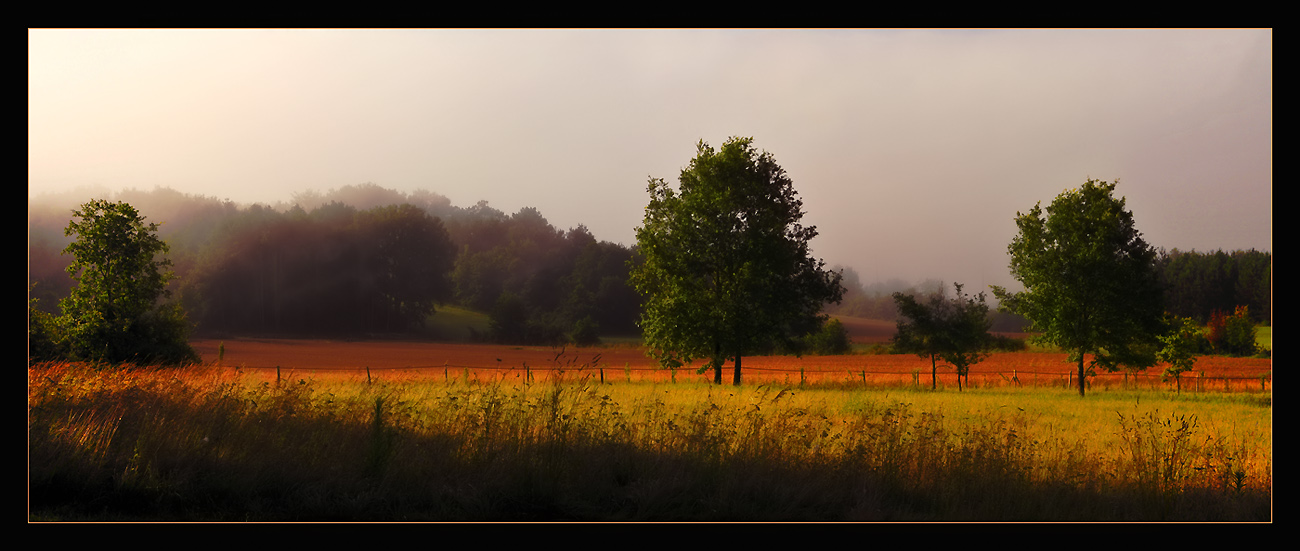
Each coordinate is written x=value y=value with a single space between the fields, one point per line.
x=1199 y=284
x=368 y=261
x=365 y=261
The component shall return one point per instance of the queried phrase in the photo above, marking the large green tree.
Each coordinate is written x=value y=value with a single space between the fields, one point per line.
x=726 y=268
x=1091 y=285
x=114 y=313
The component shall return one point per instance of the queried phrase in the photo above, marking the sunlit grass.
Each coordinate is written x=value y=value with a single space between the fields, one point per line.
x=212 y=444
x=453 y=323
x=1264 y=336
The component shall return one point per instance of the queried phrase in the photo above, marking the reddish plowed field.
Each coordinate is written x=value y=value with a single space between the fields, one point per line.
x=486 y=361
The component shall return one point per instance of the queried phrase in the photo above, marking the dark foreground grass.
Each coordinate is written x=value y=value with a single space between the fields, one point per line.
x=204 y=445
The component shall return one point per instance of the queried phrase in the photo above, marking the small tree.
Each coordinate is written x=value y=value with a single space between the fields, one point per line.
x=920 y=329
x=968 y=333
x=113 y=313
x=1179 y=347
x=953 y=330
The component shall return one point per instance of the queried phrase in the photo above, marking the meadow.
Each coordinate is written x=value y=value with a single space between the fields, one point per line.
x=235 y=442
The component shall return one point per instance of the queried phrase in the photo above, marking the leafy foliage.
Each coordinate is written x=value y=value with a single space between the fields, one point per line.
x=113 y=313
x=831 y=339
x=727 y=269
x=1090 y=281
x=953 y=330
x=42 y=334
x=1233 y=334
x=1180 y=345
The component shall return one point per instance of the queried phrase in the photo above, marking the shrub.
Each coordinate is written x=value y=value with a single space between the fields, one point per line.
x=1240 y=334
x=1233 y=334
x=1003 y=343
x=42 y=335
x=831 y=339
x=585 y=332
x=1216 y=329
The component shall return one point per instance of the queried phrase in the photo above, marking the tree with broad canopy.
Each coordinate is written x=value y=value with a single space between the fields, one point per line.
x=114 y=314
x=726 y=268
x=1091 y=285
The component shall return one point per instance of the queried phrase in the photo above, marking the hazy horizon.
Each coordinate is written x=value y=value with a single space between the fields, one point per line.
x=912 y=150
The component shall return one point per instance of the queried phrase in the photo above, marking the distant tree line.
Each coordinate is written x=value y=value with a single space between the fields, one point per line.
x=333 y=271
x=876 y=301
x=365 y=260
x=1196 y=285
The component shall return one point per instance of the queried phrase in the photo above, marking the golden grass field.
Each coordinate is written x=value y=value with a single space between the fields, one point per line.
x=320 y=430
x=212 y=442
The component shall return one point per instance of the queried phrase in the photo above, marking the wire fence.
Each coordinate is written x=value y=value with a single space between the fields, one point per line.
x=1188 y=382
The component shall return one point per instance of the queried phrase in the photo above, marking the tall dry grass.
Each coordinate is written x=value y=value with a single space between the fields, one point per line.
x=210 y=444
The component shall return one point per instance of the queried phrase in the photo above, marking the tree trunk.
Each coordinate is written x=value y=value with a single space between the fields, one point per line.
x=934 y=374
x=717 y=364
x=1080 y=373
x=736 y=379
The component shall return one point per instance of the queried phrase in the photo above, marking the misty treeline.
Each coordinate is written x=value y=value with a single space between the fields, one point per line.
x=364 y=260
x=876 y=300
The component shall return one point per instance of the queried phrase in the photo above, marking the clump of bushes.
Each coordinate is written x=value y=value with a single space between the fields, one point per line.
x=1003 y=343
x=831 y=339
x=1233 y=334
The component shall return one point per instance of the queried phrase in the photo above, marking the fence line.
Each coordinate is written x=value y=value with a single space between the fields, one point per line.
x=1192 y=382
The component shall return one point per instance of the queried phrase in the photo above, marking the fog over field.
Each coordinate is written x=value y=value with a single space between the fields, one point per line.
x=913 y=150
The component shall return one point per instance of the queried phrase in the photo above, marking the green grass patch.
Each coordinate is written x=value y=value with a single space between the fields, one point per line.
x=1264 y=336
x=456 y=324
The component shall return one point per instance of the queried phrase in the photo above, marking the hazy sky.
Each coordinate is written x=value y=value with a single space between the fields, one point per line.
x=913 y=150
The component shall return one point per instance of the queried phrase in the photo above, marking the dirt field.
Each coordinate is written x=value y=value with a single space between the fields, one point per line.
x=487 y=362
